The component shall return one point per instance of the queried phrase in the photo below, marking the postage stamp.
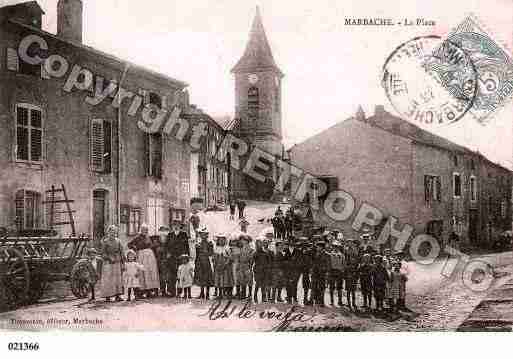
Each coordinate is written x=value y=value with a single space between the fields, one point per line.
x=492 y=63
x=435 y=81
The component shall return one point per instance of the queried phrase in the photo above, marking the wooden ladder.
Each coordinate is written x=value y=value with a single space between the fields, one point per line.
x=52 y=200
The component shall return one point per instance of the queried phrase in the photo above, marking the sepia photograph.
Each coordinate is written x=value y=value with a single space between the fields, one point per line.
x=255 y=166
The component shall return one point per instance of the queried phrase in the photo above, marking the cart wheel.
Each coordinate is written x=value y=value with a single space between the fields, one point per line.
x=79 y=279
x=16 y=279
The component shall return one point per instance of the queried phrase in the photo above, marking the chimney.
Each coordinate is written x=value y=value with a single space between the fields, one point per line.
x=69 y=20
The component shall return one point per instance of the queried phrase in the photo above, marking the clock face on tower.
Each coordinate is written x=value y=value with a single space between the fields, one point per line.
x=253 y=78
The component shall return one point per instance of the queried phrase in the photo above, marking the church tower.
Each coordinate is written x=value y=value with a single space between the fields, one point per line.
x=258 y=97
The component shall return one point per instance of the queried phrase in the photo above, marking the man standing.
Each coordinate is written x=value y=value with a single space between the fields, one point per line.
x=241 y=205
x=292 y=271
x=262 y=263
x=305 y=261
x=177 y=245
x=319 y=272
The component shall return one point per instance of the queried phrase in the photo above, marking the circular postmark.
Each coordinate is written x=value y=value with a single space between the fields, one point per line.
x=430 y=81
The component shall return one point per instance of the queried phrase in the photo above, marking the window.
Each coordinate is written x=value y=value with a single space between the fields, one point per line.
x=253 y=103
x=100 y=146
x=455 y=159
x=473 y=188
x=154 y=155
x=504 y=208
x=432 y=188
x=472 y=165
x=28 y=210
x=456 y=182
x=29 y=133
x=155 y=215
x=134 y=221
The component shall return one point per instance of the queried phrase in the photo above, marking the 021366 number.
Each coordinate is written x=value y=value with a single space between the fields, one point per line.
x=23 y=346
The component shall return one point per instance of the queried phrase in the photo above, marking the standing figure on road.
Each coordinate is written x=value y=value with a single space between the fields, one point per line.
x=397 y=285
x=365 y=273
x=292 y=270
x=388 y=262
x=261 y=269
x=111 y=283
x=244 y=224
x=144 y=247
x=305 y=260
x=235 y=249
x=278 y=274
x=133 y=273
x=159 y=249
x=320 y=268
x=223 y=275
x=185 y=275
x=241 y=205
x=244 y=268
x=380 y=278
x=195 y=222
x=204 y=275
x=232 y=210
x=177 y=244
x=336 y=274
x=288 y=224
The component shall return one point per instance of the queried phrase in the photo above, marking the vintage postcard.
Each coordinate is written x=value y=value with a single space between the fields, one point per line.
x=255 y=166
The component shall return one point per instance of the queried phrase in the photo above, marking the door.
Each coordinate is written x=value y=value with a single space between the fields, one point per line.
x=472 y=226
x=99 y=214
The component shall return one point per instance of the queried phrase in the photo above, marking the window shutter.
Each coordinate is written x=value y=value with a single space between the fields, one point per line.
x=97 y=145
x=107 y=147
x=156 y=154
x=36 y=135
x=20 y=209
x=426 y=188
x=13 y=62
x=438 y=189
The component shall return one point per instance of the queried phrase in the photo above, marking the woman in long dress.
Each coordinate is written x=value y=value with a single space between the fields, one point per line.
x=111 y=283
x=203 y=275
x=142 y=245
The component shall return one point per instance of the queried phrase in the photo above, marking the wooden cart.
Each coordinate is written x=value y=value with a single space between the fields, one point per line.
x=29 y=264
x=31 y=259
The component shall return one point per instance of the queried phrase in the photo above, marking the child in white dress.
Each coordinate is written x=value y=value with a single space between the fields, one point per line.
x=185 y=275
x=133 y=273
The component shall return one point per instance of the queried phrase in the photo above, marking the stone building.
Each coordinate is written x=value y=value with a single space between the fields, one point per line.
x=209 y=177
x=258 y=85
x=53 y=133
x=423 y=180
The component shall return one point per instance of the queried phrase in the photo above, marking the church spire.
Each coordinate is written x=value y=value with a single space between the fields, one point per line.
x=258 y=54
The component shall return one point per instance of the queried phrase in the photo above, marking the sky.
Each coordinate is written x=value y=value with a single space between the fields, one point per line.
x=329 y=68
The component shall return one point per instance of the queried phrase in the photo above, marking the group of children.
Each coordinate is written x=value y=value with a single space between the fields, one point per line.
x=238 y=271
x=133 y=274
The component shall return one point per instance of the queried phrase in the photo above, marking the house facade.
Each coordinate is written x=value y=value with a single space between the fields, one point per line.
x=209 y=177
x=52 y=135
x=421 y=179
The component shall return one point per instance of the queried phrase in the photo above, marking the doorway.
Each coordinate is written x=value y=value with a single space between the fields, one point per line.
x=100 y=213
